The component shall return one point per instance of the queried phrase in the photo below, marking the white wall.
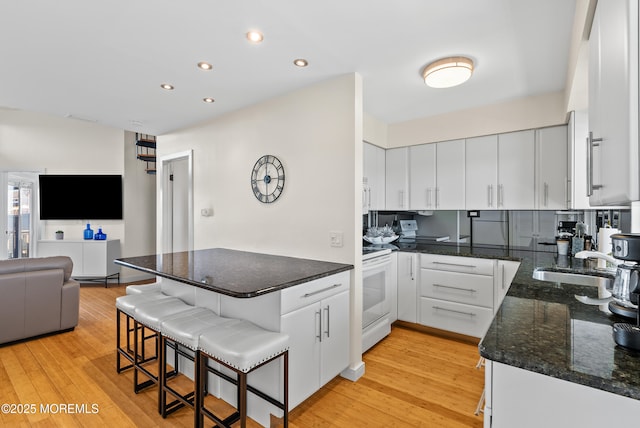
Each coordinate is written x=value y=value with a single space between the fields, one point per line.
x=515 y=115
x=47 y=144
x=312 y=132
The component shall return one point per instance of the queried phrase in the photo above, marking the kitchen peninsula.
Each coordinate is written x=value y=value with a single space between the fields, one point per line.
x=307 y=299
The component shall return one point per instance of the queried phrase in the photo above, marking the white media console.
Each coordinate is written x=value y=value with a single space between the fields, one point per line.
x=92 y=259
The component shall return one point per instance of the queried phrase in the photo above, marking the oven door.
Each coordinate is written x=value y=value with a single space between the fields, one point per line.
x=376 y=302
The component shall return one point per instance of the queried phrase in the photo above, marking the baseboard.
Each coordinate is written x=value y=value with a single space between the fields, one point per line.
x=353 y=373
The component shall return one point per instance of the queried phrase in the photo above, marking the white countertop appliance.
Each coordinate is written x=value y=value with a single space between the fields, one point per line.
x=408 y=229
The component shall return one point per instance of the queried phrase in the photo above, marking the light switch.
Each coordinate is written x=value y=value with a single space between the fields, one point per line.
x=206 y=212
x=336 y=238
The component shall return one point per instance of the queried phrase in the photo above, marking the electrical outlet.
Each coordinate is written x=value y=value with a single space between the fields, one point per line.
x=336 y=238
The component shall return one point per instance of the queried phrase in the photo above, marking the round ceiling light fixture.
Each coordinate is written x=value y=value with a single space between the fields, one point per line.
x=205 y=65
x=255 y=36
x=167 y=86
x=208 y=100
x=300 y=62
x=448 y=72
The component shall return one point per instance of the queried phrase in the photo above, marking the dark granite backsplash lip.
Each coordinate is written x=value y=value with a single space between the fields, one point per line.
x=543 y=328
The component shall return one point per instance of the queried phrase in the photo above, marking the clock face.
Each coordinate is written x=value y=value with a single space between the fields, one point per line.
x=267 y=179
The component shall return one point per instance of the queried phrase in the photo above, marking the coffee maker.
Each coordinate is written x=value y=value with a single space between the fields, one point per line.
x=626 y=289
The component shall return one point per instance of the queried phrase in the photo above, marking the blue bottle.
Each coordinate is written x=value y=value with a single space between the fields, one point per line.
x=88 y=232
x=100 y=236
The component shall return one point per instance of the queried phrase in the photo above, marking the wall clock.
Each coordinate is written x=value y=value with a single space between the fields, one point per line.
x=267 y=179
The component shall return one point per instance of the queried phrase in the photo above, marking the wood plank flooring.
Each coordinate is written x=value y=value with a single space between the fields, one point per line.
x=412 y=379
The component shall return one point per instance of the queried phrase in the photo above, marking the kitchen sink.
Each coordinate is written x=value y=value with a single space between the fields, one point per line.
x=594 y=278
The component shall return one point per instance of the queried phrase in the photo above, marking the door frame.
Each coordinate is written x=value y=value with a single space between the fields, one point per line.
x=161 y=178
x=35 y=224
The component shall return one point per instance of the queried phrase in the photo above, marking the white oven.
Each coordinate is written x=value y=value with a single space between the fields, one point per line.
x=376 y=299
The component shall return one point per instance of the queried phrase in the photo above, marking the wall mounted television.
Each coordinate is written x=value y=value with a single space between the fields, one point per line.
x=80 y=197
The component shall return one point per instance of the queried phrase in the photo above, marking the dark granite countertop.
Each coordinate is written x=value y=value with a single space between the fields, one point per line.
x=543 y=328
x=234 y=273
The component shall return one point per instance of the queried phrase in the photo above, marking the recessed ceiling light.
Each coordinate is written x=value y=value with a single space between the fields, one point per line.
x=301 y=62
x=208 y=100
x=205 y=65
x=255 y=36
x=448 y=72
x=167 y=86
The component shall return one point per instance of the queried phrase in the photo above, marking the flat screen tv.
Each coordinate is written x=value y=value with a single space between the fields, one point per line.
x=80 y=197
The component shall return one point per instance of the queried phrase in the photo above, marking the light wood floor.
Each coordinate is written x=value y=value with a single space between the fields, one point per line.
x=412 y=379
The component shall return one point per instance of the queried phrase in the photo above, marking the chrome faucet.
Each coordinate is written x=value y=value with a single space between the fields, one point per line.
x=597 y=255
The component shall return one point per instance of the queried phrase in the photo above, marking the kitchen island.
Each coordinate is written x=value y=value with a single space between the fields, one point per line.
x=551 y=360
x=307 y=299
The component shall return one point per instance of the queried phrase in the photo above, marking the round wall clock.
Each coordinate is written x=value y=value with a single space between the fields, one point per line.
x=267 y=179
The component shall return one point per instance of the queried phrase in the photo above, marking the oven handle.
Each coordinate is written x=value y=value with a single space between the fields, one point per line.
x=322 y=290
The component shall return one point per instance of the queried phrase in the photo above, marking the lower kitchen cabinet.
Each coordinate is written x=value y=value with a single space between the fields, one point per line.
x=316 y=317
x=407 y=281
x=456 y=293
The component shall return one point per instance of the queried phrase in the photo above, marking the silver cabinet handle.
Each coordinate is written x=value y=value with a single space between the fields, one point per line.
x=470 y=290
x=411 y=268
x=591 y=143
x=319 y=316
x=453 y=264
x=437 y=197
x=401 y=194
x=322 y=290
x=438 y=308
x=490 y=195
x=546 y=194
x=500 y=195
x=328 y=322
x=503 y=281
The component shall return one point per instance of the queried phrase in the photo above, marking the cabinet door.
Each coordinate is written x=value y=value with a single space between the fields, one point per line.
x=407 y=293
x=397 y=179
x=613 y=102
x=94 y=258
x=450 y=175
x=335 y=336
x=422 y=177
x=303 y=328
x=374 y=176
x=505 y=274
x=551 y=171
x=481 y=168
x=516 y=170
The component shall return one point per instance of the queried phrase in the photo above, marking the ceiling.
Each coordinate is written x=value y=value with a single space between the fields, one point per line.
x=104 y=61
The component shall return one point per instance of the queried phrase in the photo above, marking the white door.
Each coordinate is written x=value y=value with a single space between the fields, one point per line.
x=422 y=177
x=516 y=173
x=551 y=144
x=18 y=213
x=397 y=179
x=450 y=180
x=481 y=168
x=175 y=225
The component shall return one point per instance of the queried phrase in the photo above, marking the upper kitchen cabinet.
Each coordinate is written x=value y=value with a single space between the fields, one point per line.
x=373 y=197
x=397 y=179
x=500 y=171
x=552 y=191
x=436 y=176
x=613 y=176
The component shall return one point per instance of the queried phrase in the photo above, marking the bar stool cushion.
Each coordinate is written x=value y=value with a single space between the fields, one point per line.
x=186 y=327
x=143 y=288
x=128 y=303
x=153 y=313
x=242 y=345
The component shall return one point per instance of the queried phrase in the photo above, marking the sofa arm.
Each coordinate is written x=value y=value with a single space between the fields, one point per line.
x=70 y=305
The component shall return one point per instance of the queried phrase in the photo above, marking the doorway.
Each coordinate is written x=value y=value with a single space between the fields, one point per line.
x=175 y=203
x=18 y=212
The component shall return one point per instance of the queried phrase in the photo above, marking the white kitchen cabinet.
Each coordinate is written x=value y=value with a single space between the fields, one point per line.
x=91 y=258
x=316 y=317
x=551 y=168
x=520 y=398
x=613 y=176
x=373 y=178
x=397 y=179
x=481 y=172
x=456 y=293
x=516 y=175
x=407 y=281
x=450 y=175
x=422 y=177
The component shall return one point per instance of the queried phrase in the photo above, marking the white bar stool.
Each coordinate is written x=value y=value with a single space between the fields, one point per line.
x=242 y=347
x=143 y=288
x=184 y=330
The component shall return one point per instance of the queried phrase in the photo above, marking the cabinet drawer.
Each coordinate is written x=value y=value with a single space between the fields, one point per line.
x=457 y=287
x=310 y=292
x=457 y=264
x=455 y=317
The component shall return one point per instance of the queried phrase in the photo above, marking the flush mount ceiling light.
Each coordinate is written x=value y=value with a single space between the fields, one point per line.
x=205 y=65
x=167 y=86
x=208 y=100
x=301 y=62
x=255 y=36
x=448 y=72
